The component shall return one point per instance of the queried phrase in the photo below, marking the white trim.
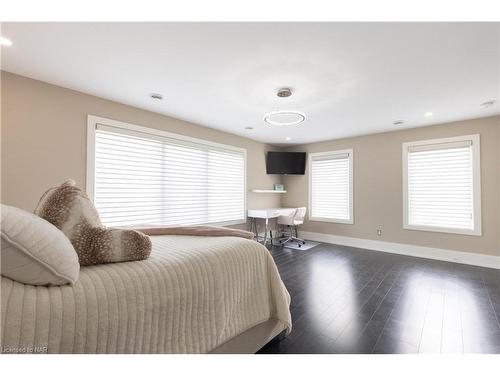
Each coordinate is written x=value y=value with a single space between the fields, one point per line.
x=268 y=191
x=446 y=255
x=476 y=171
x=92 y=122
x=327 y=154
x=443 y=141
x=90 y=179
x=162 y=133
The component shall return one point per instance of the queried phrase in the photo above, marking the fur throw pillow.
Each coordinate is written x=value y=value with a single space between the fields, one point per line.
x=68 y=208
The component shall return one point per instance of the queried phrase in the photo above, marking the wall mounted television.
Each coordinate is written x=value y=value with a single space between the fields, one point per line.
x=285 y=162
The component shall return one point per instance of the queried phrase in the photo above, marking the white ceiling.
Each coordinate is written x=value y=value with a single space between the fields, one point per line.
x=348 y=78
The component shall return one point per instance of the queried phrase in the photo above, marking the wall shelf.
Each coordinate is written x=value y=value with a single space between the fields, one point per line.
x=268 y=191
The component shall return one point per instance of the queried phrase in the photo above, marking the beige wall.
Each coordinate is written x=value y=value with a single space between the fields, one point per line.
x=44 y=142
x=44 y=139
x=378 y=191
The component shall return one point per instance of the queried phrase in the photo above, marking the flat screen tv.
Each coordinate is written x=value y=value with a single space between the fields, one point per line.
x=286 y=162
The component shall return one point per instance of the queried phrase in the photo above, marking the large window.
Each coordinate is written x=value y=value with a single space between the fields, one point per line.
x=441 y=185
x=330 y=186
x=138 y=175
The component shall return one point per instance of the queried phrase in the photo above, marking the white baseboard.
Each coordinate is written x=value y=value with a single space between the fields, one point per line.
x=481 y=260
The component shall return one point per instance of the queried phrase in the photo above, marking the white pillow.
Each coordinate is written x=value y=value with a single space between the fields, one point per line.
x=34 y=251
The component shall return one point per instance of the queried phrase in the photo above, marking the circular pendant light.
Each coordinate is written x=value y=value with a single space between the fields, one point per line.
x=284 y=118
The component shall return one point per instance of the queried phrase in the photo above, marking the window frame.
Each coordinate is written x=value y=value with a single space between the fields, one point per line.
x=476 y=185
x=311 y=157
x=93 y=121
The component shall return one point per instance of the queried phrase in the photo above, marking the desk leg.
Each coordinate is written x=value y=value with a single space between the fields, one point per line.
x=265 y=231
x=253 y=228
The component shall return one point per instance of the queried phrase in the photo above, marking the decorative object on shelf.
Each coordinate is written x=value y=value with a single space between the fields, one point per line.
x=279 y=187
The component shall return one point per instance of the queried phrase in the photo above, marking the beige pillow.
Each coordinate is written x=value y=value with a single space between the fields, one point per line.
x=34 y=251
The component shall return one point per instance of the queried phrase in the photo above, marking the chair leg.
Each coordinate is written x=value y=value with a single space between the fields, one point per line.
x=292 y=235
x=284 y=235
x=296 y=238
x=285 y=241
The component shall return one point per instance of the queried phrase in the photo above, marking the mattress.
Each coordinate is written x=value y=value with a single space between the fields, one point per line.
x=191 y=296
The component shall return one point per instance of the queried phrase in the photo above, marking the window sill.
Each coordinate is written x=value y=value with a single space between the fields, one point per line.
x=226 y=223
x=328 y=220
x=424 y=228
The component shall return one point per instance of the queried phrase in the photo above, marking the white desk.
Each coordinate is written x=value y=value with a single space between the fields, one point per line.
x=266 y=214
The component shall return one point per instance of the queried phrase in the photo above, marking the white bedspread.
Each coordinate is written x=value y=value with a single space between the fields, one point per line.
x=190 y=296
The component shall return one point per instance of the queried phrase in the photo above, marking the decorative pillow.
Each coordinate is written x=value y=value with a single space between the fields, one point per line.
x=34 y=251
x=70 y=210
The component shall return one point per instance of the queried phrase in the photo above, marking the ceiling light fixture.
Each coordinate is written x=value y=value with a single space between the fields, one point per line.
x=284 y=92
x=248 y=127
x=487 y=104
x=5 y=42
x=156 y=96
x=288 y=138
x=284 y=118
x=398 y=122
x=428 y=114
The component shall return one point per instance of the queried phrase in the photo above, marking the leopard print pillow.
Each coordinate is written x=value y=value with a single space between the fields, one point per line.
x=68 y=208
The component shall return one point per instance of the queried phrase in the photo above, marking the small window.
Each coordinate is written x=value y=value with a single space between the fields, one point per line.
x=441 y=185
x=330 y=186
x=138 y=175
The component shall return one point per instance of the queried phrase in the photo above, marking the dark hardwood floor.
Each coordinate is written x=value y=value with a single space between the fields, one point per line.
x=349 y=300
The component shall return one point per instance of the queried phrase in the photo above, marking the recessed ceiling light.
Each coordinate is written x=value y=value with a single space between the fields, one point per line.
x=398 y=122
x=428 y=114
x=288 y=138
x=5 y=42
x=156 y=96
x=284 y=118
x=487 y=104
x=248 y=127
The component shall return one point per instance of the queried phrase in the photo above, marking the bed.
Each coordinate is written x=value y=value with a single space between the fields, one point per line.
x=193 y=295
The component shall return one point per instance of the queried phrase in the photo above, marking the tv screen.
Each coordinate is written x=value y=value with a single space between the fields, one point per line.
x=286 y=162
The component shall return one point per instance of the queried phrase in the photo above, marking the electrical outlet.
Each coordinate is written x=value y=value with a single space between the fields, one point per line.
x=379 y=232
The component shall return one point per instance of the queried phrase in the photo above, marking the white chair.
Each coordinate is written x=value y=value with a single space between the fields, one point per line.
x=291 y=222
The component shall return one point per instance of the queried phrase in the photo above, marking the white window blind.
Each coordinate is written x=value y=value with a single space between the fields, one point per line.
x=143 y=178
x=331 y=186
x=441 y=184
